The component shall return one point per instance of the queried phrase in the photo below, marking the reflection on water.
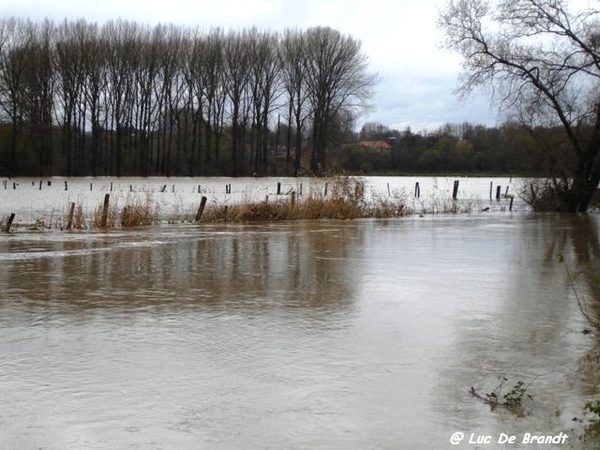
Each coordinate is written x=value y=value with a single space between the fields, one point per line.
x=363 y=334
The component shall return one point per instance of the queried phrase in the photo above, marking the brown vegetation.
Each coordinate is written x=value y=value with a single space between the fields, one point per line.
x=345 y=200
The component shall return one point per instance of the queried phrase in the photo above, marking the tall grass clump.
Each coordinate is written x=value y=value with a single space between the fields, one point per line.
x=342 y=198
x=139 y=215
x=134 y=213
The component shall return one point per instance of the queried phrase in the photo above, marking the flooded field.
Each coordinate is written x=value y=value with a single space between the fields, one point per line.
x=45 y=202
x=308 y=335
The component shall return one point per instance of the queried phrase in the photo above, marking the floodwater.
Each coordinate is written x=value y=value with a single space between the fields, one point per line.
x=46 y=202
x=311 y=335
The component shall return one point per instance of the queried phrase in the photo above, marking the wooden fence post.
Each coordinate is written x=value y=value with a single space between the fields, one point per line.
x=455 y=190
x=201 y=209
x=9 y=222
x=71 y=211
x=105 y=211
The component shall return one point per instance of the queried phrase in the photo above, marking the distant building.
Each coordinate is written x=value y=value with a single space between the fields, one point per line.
x=376 y=145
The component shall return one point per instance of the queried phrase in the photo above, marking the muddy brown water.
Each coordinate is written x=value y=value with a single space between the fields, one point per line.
x=311 y=335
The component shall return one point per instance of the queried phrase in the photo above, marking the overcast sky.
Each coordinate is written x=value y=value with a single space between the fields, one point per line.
x=416 y=77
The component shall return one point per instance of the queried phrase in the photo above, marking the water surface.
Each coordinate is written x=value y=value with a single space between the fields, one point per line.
x=311 y=335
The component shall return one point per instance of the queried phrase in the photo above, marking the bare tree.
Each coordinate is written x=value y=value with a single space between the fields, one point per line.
x=122 y=55
x=236 y=76
x=215 y=94
x=94 y=67
x=13 y=65
x=38 y=99
x=293 y=57
x=70 y=55
x=337 y=77
x=129 y=98
x=265 y=71
x=542 y=61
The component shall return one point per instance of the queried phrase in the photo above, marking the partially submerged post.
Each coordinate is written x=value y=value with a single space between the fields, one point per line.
x=70 y=221
x=201 y=209
x=417 y=190
x=512 y=198
x=105 y=211
x=9 y=222
x=498 y=192
x=455 y=190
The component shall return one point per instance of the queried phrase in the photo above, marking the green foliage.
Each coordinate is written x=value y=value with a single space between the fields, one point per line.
x=593 y=407
x=515 y=396
x=511 y=399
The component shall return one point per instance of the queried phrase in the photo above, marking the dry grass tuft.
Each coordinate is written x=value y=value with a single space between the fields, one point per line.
x=132 y=215
x=139 y=215
x=345 y=199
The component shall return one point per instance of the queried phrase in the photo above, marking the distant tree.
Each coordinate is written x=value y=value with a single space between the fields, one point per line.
x=38 y=100
x=14 y=40
x=293 y=55
x=265 y=71
x=237 y=61
x=337 y=78
x=543 y=61
x=94 y=66
x=70 y=50
x=374 y=131
x=123 y=98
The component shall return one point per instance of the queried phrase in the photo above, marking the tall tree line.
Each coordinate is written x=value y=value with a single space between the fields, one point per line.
x=77 y=98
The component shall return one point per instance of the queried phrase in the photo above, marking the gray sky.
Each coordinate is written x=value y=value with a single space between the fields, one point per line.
x=417 y=77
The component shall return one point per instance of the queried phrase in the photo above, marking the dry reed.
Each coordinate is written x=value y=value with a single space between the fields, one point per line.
x=345 y=199
x=138 y=213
